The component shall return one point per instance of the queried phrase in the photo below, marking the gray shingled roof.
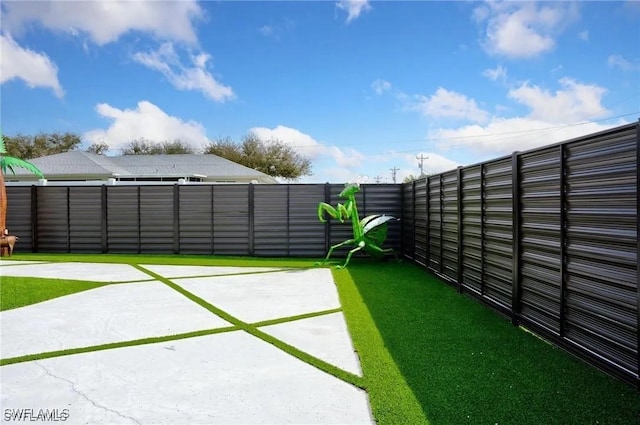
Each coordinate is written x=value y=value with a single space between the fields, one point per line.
x=84 y=164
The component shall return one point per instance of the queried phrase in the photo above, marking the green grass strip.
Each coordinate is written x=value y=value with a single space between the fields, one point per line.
x=170 y=259
x=112 y=345
x=391 y=399
x=252 y=330
x=463 y=362
x=294 y=318
x=278 y=270
x=22 y=291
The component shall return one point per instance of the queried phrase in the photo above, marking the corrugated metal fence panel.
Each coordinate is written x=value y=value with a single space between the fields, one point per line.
x=85 y=218
x=271 y=230
x=602 y=275
x=435 y=223
x=498 y=232
x=19 y=220
x=472 y=228
x=408 y=221
x=306 y=231
x=450 y=225
x=196 y=219
x=541 y=238
x=340 y=232
x=123 y=219
x=421 y=223
x=53 y=219
x=156 y=219
x=384 y=199
x=231 y=219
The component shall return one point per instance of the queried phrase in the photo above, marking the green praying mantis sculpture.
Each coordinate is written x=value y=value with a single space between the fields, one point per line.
x=368 y=234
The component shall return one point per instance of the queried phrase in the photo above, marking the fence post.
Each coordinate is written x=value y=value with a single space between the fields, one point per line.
x=563 y=237
x=34 y=218
x=515 y=202
x=176 y=219
x=413 y=221
x=638 y=254
x=460 y=237
x=327 y=225
x=139 y=221
x=68 y=219
x=441 y=193
x=427 y=197
x=104 y=234
x=251 y=218
x=483 y=207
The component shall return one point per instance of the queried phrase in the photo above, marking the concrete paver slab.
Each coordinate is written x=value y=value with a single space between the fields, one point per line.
x=254 y=298
x=111 y=313
x=5 y=262
x=189 y=271
x=98 y=272
x=325 y=337
x=230 y=378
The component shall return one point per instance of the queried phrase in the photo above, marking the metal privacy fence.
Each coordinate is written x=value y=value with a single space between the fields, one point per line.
x=258 y=220
x=548 y=237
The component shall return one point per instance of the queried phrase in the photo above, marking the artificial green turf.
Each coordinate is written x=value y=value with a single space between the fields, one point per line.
x=465 y=364
x=21 y=291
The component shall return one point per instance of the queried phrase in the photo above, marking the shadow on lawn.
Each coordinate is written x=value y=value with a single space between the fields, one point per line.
x=467 y=365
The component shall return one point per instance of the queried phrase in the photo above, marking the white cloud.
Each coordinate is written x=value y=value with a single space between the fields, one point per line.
x=35 y=69
x=553 y=117
x=380 y=86
x=184 y=77
x=523 y=29
x=433 y=163
x=573 y=103
x=145 y=121
x=583 y=35
x=449 y=104
x=105 y=22
x=622 y=63
x=267 y=30
x=349 y=159
x=353 y=8
x=498 y=73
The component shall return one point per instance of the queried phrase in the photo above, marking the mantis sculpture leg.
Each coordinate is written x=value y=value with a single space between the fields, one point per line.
x=382 y=251
x=341 y=244
x=353 y=251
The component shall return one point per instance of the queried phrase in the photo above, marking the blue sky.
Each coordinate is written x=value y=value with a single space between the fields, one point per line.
x=360 y=87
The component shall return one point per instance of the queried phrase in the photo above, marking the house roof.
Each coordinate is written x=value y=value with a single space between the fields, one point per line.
x=85 y=164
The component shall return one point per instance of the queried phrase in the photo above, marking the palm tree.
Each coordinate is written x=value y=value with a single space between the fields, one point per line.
x=10 y=163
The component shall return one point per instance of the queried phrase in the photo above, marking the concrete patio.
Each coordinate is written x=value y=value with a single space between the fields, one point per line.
x=231 y=377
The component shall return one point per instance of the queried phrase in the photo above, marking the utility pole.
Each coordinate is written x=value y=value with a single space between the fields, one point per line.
x=378 y=179
x=393 y=173
x=421 y=159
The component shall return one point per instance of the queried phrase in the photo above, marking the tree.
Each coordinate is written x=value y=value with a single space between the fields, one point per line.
x=143 y=146
x=43 y=144
x=272 y=157
x=98 y=148
x=10 y=163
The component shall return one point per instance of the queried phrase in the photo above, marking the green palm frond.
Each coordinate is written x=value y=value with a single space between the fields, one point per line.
x=10 y=163
x=3 y=147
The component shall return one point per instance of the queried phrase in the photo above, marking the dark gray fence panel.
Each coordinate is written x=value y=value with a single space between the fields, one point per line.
x=271 y=230
x=498 y=232
x=435 y=224
x=53 y=219
x=195 y=219
x=472 y=252
x=85 y=219
x=421 y=224
x=123 y=219
x=408 y=220
x=19 y=219
x=156 y=219
x=450 y=225
x=384 y=199
x=602 y=268
x=231 y=224
x=541 y=280
x=306 y=231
